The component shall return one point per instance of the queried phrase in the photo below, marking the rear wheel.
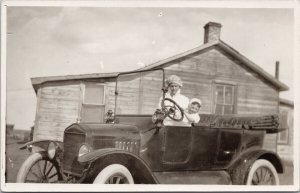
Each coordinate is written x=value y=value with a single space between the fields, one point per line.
x=114 y=174
x=262 y=172
x=38 y=168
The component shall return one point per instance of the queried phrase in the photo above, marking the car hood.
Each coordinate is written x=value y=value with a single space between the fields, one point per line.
x=98 y=129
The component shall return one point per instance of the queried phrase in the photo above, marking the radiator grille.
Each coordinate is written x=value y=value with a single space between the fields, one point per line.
x=72 y=143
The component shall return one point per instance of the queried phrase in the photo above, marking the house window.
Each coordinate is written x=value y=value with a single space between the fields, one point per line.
x=224 y=99
x=93 y=104
x=283 y=136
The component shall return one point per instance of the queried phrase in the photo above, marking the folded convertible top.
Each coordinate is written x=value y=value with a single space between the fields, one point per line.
x=270 y=123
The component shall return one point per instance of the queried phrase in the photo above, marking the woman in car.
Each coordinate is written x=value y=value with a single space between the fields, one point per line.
x=174 y=85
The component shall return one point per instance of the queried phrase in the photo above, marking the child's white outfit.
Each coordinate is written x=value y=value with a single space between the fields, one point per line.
x=195 y=116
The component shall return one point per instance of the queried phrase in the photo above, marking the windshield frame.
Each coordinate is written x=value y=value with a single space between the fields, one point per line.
x=132 y=72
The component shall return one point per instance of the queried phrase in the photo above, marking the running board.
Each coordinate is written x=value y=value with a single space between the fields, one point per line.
x=193 y=177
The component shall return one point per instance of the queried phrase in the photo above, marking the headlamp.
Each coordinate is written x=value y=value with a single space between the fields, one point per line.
x=52 y=149
x=84 y=149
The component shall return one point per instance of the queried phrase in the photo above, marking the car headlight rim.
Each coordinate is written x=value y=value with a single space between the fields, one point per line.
x=52 y=150
x=84 y=149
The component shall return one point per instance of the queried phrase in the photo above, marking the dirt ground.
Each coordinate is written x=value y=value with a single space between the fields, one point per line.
x=15 y=158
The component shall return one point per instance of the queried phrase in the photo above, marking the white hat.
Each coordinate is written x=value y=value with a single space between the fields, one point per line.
x=173 y=79
x=195 y=100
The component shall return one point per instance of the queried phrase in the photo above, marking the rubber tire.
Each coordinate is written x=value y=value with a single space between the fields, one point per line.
x=262 y=163
x=28 y=163
x=110 y=170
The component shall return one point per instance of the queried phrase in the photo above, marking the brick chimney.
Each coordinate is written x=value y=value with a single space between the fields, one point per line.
x=212 y=32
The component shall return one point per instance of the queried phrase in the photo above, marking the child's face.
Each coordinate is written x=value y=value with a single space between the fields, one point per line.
x=195 y=107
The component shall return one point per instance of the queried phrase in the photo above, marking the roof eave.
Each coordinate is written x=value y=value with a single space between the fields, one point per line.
x=281 y=86
x=38 y=81
x=175 y=57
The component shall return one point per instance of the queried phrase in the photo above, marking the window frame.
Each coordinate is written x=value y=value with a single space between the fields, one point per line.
x=85 y=104
x=224 y=83
x=285 y=141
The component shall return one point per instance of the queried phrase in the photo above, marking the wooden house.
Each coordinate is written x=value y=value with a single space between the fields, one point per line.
x=285 y=140
x=225 y=80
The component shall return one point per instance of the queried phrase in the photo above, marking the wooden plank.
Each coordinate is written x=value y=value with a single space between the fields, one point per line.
x=67 y=102
x=57 y=122
x=257 y=101
x=69 y=98
x=36 y=121
x=258 y=106
x=59 y=104
x=258 y=96
x=52 y=129
x=250 y=89
x=255 y=111
x=189 y=75
x=58 y=111
x=60 y=91
x=58 y=137
x=57 y=116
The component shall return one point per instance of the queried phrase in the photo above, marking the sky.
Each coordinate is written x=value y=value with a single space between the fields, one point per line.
x=53 y=41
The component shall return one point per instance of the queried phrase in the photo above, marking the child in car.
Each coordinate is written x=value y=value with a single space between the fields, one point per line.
x=191 y=113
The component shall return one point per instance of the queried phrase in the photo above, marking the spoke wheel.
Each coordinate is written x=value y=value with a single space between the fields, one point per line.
x=114 y=174
x=262 y=172
x=39 y=169
x=117 y=179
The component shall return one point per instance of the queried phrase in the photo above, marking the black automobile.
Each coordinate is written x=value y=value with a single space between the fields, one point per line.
x=134 y=145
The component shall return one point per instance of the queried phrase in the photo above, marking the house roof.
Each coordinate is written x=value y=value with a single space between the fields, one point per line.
x=228 y=49
x=37 y=81
x=286 y=102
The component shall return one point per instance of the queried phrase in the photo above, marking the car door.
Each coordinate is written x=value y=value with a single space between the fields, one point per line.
x=177 y=144
x=204 y=147
x=229 y=145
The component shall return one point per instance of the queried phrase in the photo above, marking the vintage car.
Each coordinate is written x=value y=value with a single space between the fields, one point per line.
x=134 y=145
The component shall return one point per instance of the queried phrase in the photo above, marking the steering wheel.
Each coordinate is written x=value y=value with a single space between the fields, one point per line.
x=172 y=109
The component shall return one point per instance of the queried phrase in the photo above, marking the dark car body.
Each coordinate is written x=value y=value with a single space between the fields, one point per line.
x=172 y=149
x=218 y=147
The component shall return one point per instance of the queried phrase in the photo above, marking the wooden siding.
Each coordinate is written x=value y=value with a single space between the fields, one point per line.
x=57 y=108
x=285 y=150
x=139 y=95
x=200 y=72
x=110 y=96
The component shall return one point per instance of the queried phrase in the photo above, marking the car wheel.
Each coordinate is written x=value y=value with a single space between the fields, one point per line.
x=262 y=172
x=114 y=174
x=38 y=168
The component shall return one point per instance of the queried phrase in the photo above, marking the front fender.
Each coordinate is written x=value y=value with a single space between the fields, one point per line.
x=40 y=145
x=101 y=158
x=239 y=168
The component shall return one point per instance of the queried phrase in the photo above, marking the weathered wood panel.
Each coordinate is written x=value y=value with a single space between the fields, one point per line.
x=199 y=72
x=58 y=107
x=110 y=96
x=285 y=149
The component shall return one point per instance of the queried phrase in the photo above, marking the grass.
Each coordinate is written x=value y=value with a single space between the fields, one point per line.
x=14 y=159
